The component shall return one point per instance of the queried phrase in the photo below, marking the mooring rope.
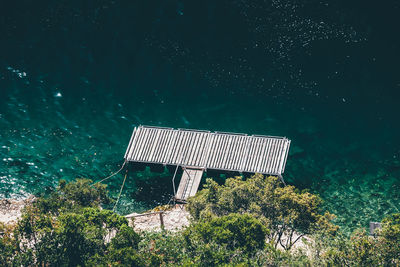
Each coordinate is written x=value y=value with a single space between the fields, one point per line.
x=108 y=177
x=120 y=191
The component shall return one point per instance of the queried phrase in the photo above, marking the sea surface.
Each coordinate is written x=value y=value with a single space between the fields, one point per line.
x=76 y=77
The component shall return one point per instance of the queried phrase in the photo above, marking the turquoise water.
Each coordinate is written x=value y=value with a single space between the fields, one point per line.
x=76 y=78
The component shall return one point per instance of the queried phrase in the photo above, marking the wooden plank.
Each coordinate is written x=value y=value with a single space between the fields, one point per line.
x=277 y=156
x=171 y=147
x=206 y=153
x=148 y=144
x=268 y=146
x=221 y=151
x=274 y=156
x=286 y=155
x=281 y=157
x=283 y=154
x=193 y=149
x=154 y=145
x=176 y=156
x=227 y=152
x=215 y=145
x=130 y=143
x=137 y=144
x=186 y=147
x=270 y=155
x=161 y=146
x=232 y=151
x=260 y=155
x=189 y=183
x=250 y=155
x=200 y=150
x=144 y=136
x=245 y=153
x=134 y=144
x=239 y=156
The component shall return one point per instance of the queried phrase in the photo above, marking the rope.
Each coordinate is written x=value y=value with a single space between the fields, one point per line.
x=108 y=177
x=120 y=191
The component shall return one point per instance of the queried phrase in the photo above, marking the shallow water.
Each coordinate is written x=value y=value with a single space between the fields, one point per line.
x=76 y=79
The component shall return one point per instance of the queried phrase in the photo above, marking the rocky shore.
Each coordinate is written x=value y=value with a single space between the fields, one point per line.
x=173 y=219
x=10 y=209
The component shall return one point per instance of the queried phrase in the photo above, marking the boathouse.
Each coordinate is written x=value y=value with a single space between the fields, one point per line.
x=196 y=151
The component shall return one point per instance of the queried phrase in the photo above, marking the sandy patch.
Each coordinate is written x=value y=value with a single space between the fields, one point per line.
x=174 y=220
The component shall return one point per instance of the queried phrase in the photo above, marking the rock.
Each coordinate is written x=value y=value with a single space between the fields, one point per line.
x=10 y=209
x=174 y=220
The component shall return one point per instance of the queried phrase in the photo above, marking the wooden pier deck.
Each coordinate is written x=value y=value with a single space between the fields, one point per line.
x=208 y=150
x=189 y=183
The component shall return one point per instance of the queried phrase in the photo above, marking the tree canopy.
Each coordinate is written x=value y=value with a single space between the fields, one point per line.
x=236 y=224
x=287 y=212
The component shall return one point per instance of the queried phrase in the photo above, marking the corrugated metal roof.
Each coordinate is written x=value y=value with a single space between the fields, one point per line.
x=209 y=150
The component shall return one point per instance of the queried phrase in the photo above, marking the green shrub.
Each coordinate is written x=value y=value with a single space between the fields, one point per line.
x=168 y=246
x=126 y=237
x=361 y=249
x=234 y=231
x=389 y=240
x=286 y=211
x=73 y=196
x=231 y=223
x=7 y=245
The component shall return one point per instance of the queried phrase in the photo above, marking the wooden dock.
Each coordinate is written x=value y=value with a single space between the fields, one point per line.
x=208 y=150
x=196 y=151
x=189 y=183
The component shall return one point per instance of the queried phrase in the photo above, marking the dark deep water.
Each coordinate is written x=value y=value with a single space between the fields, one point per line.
x=77 y=76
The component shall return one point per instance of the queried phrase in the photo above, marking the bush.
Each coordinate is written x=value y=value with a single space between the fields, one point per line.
x=69 y=239
x=389 y=240
x=7 y=245
x=233 y=231
x=74 y=195
x=69 y=227
x=361 y=249
x=229 y=230
x=168 y=246
x=286 y=211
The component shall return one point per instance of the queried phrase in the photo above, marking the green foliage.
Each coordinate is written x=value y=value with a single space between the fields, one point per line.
x=286 y=211
x=234 y=231
x=389 y=240
x=165 y=247
x=7 y=245
x=73 y=196
x=126 y=237
x=361 y=249
x=70 y=238
x=70 y=229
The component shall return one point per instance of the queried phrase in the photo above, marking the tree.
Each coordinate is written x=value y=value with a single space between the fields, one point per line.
x=235 y=231
x=388 y=238
x=69 y=228
x=73 y=196
x=287 y=212
x=7 y=245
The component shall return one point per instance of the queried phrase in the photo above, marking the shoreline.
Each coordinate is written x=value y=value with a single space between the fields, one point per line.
x=10 y=209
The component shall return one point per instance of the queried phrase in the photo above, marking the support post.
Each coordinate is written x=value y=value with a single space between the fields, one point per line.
x=161 y=221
